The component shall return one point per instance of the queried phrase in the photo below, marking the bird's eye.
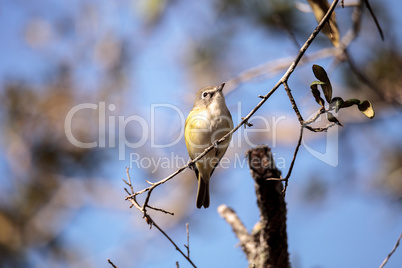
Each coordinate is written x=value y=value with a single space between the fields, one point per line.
x=204 y=95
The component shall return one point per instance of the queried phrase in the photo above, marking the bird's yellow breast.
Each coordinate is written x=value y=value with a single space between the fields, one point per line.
x=203 y=128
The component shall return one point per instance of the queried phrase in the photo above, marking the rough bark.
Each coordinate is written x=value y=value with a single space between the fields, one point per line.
x=270 y=234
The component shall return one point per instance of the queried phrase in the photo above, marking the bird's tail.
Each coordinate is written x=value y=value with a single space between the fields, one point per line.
x=203 y=192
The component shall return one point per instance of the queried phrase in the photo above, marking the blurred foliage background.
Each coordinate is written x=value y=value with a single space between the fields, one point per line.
x=55 y=55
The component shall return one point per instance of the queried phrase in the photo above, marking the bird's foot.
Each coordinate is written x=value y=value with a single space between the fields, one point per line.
x=191 y=164
x=216 y=145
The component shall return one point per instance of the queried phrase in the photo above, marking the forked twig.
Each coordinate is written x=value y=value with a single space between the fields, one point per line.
x=151 y=222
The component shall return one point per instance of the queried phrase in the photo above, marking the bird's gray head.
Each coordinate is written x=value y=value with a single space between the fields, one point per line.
x=207 y=95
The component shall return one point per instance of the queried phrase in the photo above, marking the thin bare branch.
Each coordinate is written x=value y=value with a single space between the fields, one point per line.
x=272 y=67
x=392 y=252
x=111 y=263
x=320 y=129
x=315 y=117
x=294 y=159
x=292 y=101
x=188 y=241
x=151 y=222
x=173 y=243
x=167 y=178
x=161 y=210
x=129 y=180
x=375 y=19
x=306 y=45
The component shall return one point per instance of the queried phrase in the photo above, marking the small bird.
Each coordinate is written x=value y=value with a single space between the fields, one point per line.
x=208 y=121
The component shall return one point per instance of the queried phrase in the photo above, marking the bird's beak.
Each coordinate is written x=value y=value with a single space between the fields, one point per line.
x=220 y=87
